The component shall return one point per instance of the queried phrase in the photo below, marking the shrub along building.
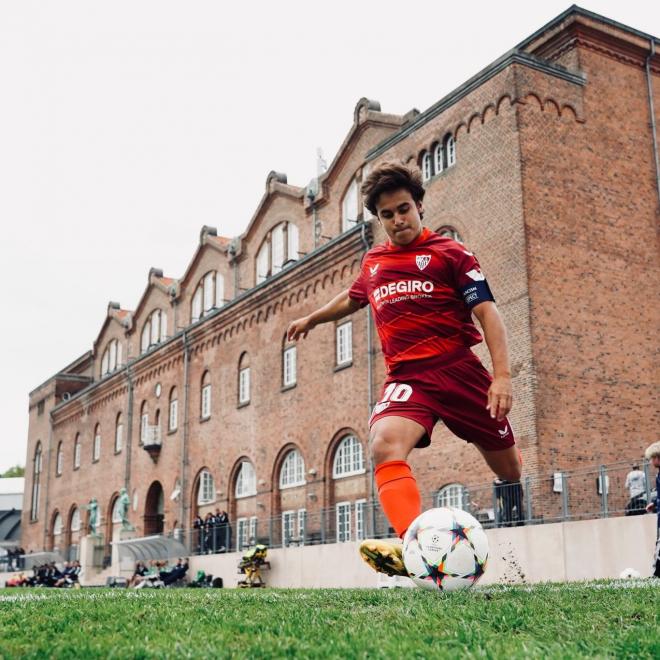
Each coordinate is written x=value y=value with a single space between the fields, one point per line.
x=544 y=164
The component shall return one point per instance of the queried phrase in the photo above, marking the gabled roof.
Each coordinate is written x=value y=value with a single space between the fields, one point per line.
x=276 y=184
x=208 y=237
x=156 y=280
x=114 y=313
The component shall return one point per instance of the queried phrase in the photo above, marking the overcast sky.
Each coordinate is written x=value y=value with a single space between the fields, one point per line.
x=126 y=126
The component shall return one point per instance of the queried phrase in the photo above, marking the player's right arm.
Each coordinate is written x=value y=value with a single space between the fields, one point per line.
x=341 y=305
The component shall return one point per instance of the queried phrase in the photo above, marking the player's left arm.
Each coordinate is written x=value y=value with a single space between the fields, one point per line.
x=500 y=396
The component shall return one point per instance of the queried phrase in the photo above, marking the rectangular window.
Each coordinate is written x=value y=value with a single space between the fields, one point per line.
x=350 y=207
x=253 y=530
x=76 y=455
x=289 y=366
x=343 y=522
x=209 y=293
x=302 y=525
x=155 y=328
x=206 y=401
x=96 y=453
x=360 y=507
x=174 y=411
x=262 y=263
x=219 y=290
x=242 y=530
x=197 y=305
x=288 y=529
x=344 y=343
x=292 y=242
x=144 y=424
x=163 y=326
x=119 y=437
x=277 y=241
x=244 y=385
x=40 y=407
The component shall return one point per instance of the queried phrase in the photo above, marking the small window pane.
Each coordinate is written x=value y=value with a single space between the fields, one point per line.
x=173 y=421
x=197 y=305
x=344 y=343
x=206 y=401
x=119 y=437
x=262 y=263
x=292 y=242
x=289 y=376
x=219 y=290
x=244 y=385
x=209 y=291
x=277 y=242
x=350 y=206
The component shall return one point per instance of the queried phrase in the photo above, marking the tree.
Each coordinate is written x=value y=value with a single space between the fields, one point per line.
x=16 y=471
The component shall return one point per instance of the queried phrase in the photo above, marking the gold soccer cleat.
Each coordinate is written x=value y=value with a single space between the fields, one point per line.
x=383 y=556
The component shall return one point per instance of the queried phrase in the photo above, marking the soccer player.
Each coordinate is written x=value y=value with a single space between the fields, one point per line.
x=423 y=289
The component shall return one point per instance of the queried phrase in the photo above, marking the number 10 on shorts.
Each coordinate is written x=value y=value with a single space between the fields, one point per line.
x=394 y=392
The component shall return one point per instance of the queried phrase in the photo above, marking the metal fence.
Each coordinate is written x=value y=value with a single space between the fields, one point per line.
x=562 y=496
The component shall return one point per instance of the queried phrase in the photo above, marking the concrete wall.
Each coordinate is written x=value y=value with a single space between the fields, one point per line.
x=583 y=550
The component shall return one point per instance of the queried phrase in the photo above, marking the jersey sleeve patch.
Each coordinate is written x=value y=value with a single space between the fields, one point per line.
x=477 y=292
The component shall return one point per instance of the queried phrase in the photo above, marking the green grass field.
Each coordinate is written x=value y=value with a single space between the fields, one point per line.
x=558 y=621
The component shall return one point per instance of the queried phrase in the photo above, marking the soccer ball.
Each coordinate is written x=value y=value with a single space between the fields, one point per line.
x=445 y=549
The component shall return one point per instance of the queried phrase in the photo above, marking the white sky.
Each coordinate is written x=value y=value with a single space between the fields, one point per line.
x=126 y=126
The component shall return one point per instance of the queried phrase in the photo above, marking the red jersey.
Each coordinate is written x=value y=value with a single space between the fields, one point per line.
x=421 y=295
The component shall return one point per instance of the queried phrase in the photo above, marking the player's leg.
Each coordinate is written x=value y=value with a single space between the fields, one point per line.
x=505 y=463
x=392 y=439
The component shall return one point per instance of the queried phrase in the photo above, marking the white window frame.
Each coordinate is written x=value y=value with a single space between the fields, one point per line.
x=96 y=447
x=350 y=206
x=291 y=242
x=244 y=385
x=438 y=158
x=145 y=337
x=242 y=531
x=343 y=521
x=206 y=490
x=57 y=524
x=76 y=453
x=119 y=437
x=206 y=401
x=427 y=171
x=302 y=526
x=144 y=425
x=60 y=459
x=219 y=290
x=252 y=532
x=246 y=481
x=360 y=515
x=289 y=519
x=289 y=366
x=292 y=472
x=450 y=150
x=173 y=417
x=75 y=520
x=344 y=342
x=197 y=305
x=349 y=458
x=277 y=248
x=451 y=495
x=263 y=262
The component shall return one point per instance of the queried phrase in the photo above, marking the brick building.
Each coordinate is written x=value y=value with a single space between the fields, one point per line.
x=544 y=164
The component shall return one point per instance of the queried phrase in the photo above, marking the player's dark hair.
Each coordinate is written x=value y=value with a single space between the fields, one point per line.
x=388 y=177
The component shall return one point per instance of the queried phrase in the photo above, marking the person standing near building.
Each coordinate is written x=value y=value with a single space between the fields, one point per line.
x=636 y=485
x=423 y=289
x=653 y=454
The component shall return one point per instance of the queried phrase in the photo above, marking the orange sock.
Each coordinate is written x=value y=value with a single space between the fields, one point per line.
x=398 y=494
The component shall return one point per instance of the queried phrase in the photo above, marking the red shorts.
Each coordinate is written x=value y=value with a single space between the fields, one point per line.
x=451 y=387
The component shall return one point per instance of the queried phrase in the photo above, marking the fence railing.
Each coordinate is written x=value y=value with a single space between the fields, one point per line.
x=603 y=491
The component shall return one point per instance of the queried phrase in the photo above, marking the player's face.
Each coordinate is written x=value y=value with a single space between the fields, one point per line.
x=400 y=216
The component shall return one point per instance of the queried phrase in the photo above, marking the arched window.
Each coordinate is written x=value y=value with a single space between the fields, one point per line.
x=279 y=248
x=450 y=232
x=76 y=452
x=246 y=481
x=450 y=150
x=173 y=416
x=60 y=459
x=111 y=357
x=206 y=490
x=209 y=295
x=96 y=447
x=292 y=472
x=75 y=520
x=36 y=485
x=426 y=168
x=289 y=359
x=349 y=458
x=244 y=380
x=144 y=422
x=350 y=206
x=438 y=158
x=205 y=407
x=116 y=515
x=119 y=434
x=57 y=524
x=154 y=330
x=451 y=495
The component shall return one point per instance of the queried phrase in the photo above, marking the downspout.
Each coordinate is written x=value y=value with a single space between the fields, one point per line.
x=184 y=441
x=129 y=430
x=651 y=108
x=370 y=389
x=47 y=502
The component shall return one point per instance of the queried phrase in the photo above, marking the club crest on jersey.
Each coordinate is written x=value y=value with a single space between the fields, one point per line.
x=422 y=260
